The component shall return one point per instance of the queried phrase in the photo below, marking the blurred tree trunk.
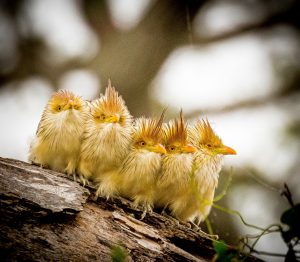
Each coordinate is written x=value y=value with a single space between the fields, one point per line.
x=132 y=59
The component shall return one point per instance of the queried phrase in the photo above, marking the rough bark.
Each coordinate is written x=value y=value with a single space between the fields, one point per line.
x=47 y=216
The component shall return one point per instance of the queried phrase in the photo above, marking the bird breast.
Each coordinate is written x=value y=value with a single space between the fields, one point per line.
x=141 y=165
x=107 y=142
x=207 y=170
x=62 y=128
x=176 y=168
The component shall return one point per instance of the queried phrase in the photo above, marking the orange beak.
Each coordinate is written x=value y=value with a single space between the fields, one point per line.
x=114 y=118
x=226 y=150
x=189 y=149
x=159 y=148
x=71 y=103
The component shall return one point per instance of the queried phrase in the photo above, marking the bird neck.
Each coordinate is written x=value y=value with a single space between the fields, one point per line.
x=207 y=168
x=63 y=124
x=141 y=164
x=176 y=168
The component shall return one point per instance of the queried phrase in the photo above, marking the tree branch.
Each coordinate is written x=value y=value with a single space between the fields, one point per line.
x=47 y=216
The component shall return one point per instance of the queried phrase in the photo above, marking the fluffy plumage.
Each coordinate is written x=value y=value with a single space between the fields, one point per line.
x=174 y=181
x=207 y=164
x=59 y=133
x=106 y=141
x=141 y=167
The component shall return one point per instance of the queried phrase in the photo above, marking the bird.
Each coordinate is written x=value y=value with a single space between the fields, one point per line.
x=141 y=167
x=177 y=167
x=58 y=138
x=208 y=162
x=106 y=141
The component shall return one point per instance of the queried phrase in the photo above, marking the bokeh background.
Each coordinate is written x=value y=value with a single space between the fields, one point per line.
x=235 y=61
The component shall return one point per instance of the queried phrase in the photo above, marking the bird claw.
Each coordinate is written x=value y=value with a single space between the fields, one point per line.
x=202 y=233
x=83 y=181
x=101 y=192
x=165 y=214
x=95 y=197
x=147 y=209
x=70 y=169
x=75 y=177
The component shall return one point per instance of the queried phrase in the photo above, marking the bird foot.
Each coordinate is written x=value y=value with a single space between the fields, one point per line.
x=83 y=181
x=165 y=214
x=202 y=233
x=102 y=193
x=70 y=169
x=40 y=165
x=147 y=209
x=36 y=164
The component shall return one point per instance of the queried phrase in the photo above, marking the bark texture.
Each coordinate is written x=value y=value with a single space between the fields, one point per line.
x=47 y=216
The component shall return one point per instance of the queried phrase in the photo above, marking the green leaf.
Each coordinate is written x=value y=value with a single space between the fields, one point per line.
x=290 y=256
x=291 y=217
x=220 y=247
x=118 y=254
x=225 y=253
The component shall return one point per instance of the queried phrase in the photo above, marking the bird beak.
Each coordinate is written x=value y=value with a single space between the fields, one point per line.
x=71 y=103
x=114 y=118
x=226 y=150
x=189 y=149
x=158 y=148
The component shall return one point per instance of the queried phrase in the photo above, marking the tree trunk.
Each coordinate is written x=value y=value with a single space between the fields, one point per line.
x=45 y=215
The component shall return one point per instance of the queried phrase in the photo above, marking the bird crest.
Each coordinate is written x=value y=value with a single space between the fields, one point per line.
x=149 y=128
x=111 y=101
x=62 y=97
x=203 y=134
x=175 y=131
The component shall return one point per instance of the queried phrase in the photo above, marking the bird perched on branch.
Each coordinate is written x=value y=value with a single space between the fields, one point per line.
x=59 y=133
x=207 y=164
x=141 y=167
x=106 y=140
x=173 y=189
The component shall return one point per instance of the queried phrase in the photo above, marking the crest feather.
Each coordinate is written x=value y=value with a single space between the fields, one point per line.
x=149 y=128
x=111 y=101
x=176 y=131
x=203 y=134
x=64 y=95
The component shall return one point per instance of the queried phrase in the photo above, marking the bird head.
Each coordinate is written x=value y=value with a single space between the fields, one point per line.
x=63 y=101
x=203 y=136
x=175 y=137
x=110 y=108
x=148 y=135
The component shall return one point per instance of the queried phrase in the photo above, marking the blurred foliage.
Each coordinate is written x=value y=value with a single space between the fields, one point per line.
x=291 y=235
x=133 y=58
x=224 y=253
x=118 y=254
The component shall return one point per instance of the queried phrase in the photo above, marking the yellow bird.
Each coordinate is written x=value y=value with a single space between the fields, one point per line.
x=140 y=169
x=59 y=133
x=207 y=164
x=106 y=141
x=175 y=178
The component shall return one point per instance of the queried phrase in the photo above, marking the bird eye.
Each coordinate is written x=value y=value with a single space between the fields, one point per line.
x=142 y=143
x=172 y=148
x=209 y=145
x=102 y=117
x=59 y=108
